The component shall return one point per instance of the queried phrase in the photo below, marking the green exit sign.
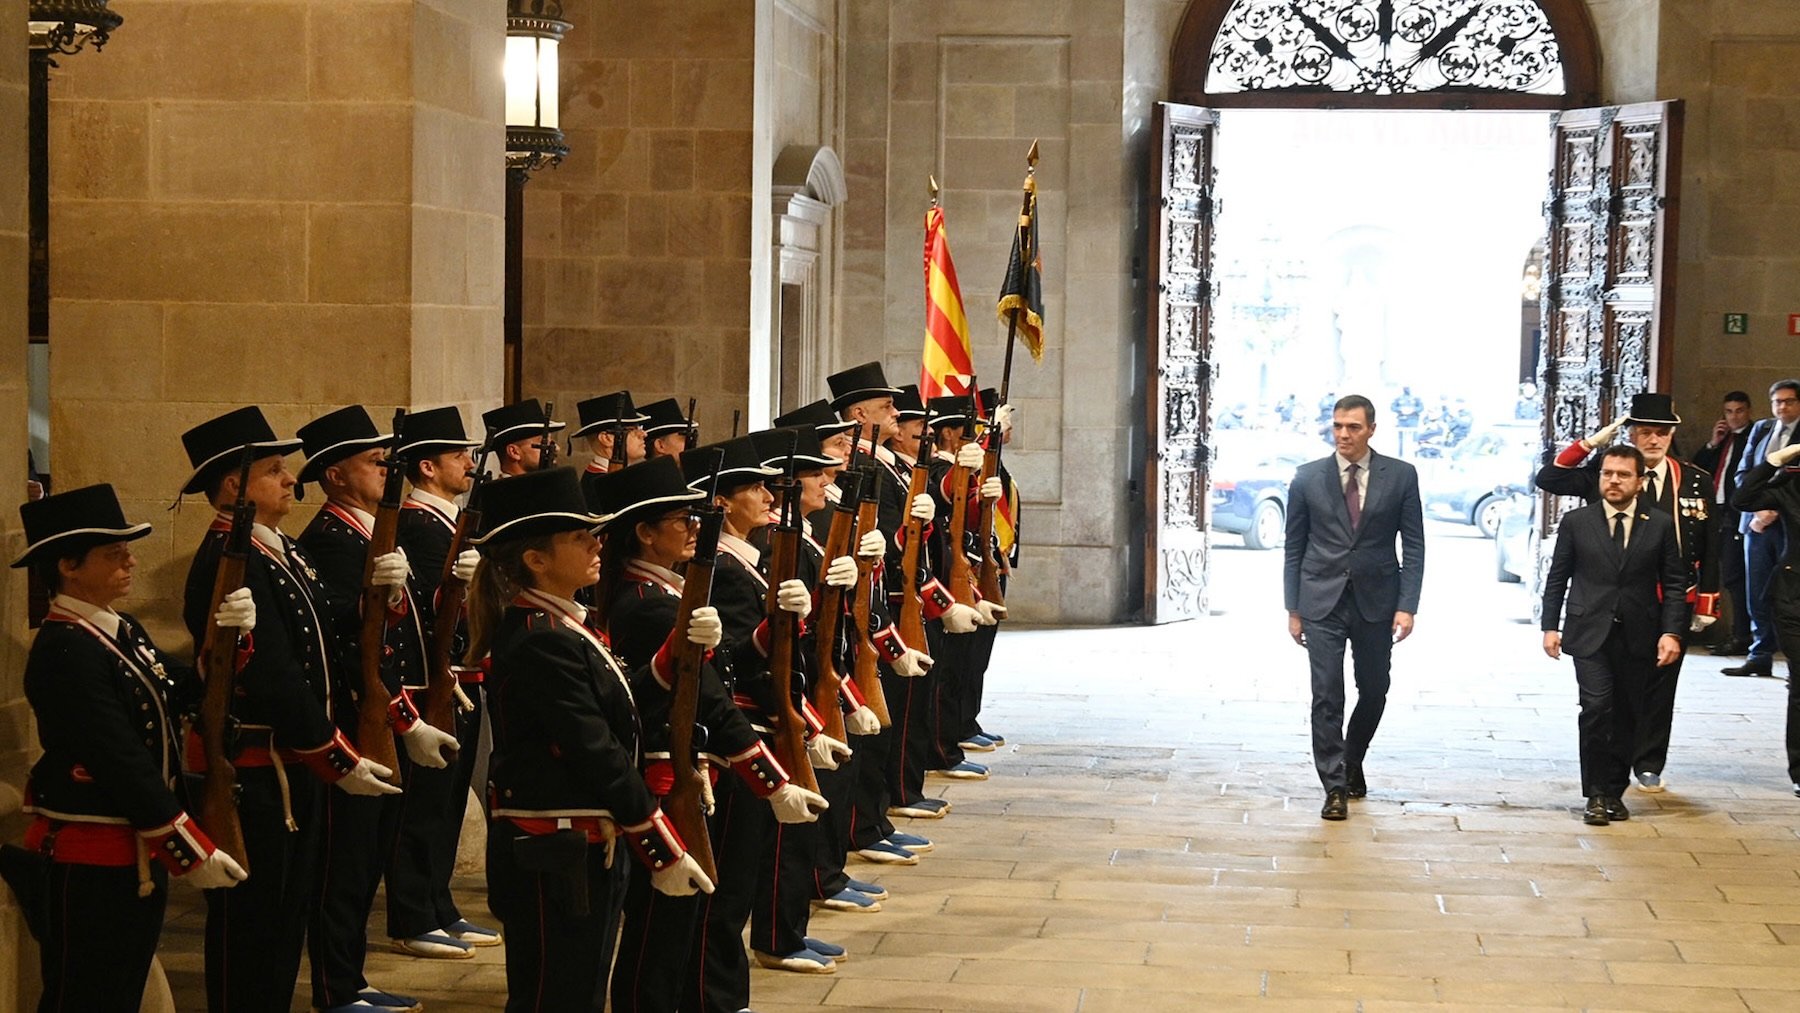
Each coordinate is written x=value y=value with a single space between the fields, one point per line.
x=1737 y=323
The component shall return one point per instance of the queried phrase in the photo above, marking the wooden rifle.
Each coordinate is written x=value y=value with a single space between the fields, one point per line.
x=693 y=429
x=828 y=683
x=962 y=576
x=218 y=662
x=546 y=444
x=989 y=581
x=453 y=593
x=784 y=557
x=911 y=621
x=620 y=457
x=865 y=673
x=685 y=803
x=374 y=731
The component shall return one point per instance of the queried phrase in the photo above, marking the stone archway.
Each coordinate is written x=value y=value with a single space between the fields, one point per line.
x=807 y=182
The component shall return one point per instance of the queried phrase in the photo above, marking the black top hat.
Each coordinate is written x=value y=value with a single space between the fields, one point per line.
x=608 y=410
x=331 y=438
x=212 y=446
x=990 y=401
x=859 y=383
x=514 y=422
x=772 y=446
x=662 y=418
x=742 y=465
x=908 y=404
x=532 y=504
x=630 y=494
x=1652 y=410
x=817 y=415
x=951 y=410
x=433 y=431
x=73 y=521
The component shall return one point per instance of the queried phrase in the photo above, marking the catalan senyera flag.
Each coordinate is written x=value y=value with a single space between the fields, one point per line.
x=947 y=368
x=1023 y=290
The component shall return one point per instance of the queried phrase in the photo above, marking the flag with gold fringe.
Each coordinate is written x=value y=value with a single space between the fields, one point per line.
x=947 y=368
x=1022 y=295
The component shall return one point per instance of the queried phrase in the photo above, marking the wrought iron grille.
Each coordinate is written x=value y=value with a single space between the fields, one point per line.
x=1386 y=47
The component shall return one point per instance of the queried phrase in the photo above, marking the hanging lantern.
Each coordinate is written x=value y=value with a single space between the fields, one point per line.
x=534 y=29
x=65 y=26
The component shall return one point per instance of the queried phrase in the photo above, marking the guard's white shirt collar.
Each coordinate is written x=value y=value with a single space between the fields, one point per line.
x=446 y=507
x=104 y=619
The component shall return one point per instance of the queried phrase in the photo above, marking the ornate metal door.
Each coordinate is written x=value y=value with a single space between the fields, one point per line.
x=1609 y=298
x=1179 y=365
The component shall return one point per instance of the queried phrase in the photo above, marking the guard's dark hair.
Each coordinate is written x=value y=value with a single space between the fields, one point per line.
x=1790 y=384
x=1351 y=402
x=1626 y=450
x=1737 y=395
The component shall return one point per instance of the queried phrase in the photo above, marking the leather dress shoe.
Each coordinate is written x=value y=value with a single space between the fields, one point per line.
x=1353 y=780
x=1337 y=805
x=1751 y=666
x=1595 y=813
x=1615 y=809
x=1732 y=649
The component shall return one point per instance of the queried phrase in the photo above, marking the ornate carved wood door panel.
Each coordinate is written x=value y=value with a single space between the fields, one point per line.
x=1179 y=364
x=1609 y=301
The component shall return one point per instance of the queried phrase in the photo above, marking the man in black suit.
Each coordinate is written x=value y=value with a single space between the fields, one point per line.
x=1343 y=585
x=1627 y=612
x=1765 y=541
x=1721 y=456
x=1772 y=485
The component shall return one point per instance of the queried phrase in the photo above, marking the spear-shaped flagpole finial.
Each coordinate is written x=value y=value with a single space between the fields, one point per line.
x=934 y=189
x=1031 y=157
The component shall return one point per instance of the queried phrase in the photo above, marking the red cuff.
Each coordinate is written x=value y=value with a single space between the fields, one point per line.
x=181 y=846
x=759 y=638
x=853 y=698
x=656 y=842
x=934 y=600
x=889 y=645
x=663 y=665
x=1572 y=455
x=759 y=769
x=810 y=716
x=402 y=712
x=332 y=760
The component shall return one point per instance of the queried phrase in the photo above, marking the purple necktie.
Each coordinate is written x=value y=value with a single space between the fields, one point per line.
x=1353 y=497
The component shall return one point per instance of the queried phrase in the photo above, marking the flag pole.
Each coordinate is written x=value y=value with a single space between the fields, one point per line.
x=1012 y=317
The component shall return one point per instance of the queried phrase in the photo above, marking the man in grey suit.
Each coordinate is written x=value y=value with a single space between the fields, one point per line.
x=1344 y=586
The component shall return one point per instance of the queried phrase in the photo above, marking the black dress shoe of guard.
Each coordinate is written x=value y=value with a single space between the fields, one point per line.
x=1751 y=666
x=1732 y=649
x=1595 y=813
x=1615 y=809
x=1337 y=805
x=1354 y=784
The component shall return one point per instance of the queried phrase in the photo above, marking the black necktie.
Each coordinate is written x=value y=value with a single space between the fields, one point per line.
x=1619 y=530
x=1650 y=487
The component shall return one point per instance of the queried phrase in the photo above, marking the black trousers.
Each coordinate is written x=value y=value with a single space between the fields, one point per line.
x=869 y=791
x=1656 y=716
x=423 y=856
x=831 y=845
x=99 y=937
x=785 y=888
x=556 y=961
x=954 y=669
x=976 y=684
x=255 y=930
x=1733 y=577
x=656 y=940
x=1785 y=597
x=1614 y=699
x=359 y=834
x=742 y=830
x=1371 y=646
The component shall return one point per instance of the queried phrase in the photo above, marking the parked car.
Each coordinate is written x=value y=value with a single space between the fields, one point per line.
x=1251 y=469
x=1462 y=488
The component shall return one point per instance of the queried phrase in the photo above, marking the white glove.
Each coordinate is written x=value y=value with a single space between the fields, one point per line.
x=913 y=663
x=425 y=745
x=391 y=571
x=989 y=613
x=1604 y=436
x=794 y=804
x=862 y=721
x=1700 y=622
x=366 y=779
x=1003 y=418
x=970 y=456
x=960 y=618
x=841 y=572
x=704 y=628
x=991 y=488
x=236 y=610
x=826 y=751
x=871 y=545
x=464 y=567
x=217 y=872
x=683 y=878
x=923 y=508
x=792 y=596
x=1781 y=457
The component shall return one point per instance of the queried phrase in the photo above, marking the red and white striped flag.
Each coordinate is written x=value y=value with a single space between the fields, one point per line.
x=947 y=368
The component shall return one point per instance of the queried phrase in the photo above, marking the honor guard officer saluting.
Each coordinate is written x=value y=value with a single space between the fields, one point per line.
x=612 y=428
x=1626 y=584
x=516 y=436
x=436 y=451
x=667 y=431
x=282 y=708
x=364 y=579
x=564 y=781
x=110 y=819
x=1684 y=493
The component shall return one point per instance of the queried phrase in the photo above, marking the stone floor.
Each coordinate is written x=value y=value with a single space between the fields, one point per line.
x=1150 y=839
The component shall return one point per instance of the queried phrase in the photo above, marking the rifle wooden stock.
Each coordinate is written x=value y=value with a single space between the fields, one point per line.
x=684 y=804
x=962 y=576
x=989 y=581
x=790 y=727
x=911 y=621
x=374 y=732
x=866 y=675
x=828 y=683
x=218 y=654
x=453 y=594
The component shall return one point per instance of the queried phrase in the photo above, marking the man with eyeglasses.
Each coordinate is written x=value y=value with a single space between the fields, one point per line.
x=1764 y=540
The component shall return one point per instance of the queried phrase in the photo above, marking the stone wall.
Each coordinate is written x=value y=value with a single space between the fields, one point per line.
x=301 y=217
x=637 y=248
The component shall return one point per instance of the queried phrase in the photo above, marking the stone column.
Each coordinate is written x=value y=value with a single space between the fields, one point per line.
x=293 y=204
